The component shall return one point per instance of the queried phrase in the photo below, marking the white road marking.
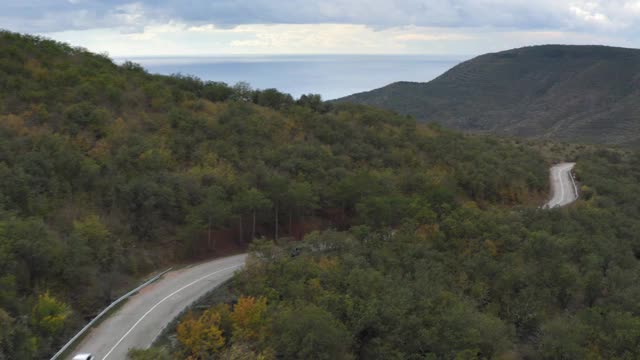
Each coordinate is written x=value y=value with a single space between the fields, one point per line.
x=561 y=186
x=160 y=302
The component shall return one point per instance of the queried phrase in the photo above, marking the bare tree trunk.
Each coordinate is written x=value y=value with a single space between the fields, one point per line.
x=209 y=234
x=110 y=287
x=291 y=223
x=253 y=228
x=276 y=222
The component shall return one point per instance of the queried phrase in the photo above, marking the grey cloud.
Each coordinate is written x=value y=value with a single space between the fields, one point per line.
x=52 y=15
x=378 y=13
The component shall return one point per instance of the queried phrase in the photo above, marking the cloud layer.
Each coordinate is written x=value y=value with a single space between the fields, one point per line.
x=56 y=15
x=323 y=26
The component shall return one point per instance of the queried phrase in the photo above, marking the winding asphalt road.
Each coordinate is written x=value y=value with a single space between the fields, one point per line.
x=563 y=186
x=141 y=319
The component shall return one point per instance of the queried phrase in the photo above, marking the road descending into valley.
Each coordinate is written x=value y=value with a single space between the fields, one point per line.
x=138 y=322
x=143 y=316
x=563 y=186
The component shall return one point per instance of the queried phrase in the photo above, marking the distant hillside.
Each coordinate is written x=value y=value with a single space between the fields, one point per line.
x=575 y=93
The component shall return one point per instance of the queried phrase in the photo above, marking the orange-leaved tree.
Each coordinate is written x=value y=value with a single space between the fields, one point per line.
x=201 y=336
x=249 y=318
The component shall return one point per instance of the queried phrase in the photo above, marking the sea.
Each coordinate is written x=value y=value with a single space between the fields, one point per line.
x=331 y=76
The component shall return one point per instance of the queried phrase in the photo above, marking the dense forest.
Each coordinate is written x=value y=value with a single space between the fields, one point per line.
x=426 y=244
x=108 y=173
x=451 y=281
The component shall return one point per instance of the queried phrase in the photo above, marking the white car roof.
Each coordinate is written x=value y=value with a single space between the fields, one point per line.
x=81 y=357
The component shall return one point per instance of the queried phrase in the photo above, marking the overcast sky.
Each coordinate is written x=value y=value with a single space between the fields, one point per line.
x=213 y=27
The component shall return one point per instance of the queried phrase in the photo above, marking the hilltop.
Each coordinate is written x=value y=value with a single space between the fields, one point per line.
x=571 y=93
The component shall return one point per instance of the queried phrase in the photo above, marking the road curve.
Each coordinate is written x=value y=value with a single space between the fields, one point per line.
x=141 y=319
x=563 y=186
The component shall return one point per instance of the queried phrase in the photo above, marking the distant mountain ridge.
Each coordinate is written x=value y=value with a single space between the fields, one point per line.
x=566 y=92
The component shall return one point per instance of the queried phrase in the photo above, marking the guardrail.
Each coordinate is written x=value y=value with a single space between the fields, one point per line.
x=105 y=311
x=573 y=181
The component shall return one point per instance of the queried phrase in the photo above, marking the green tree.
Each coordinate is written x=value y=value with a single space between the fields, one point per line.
x=276 y=188
x=153 y=353
x=312 y=101
x=106 y=250
x=213 y=212
x=385 y=210
x=16 y=341
x=300 y=199
x=49 y=314
x=250 y=201
x=242 y=91
x=309 y=332
x=217 y=91
x=273 y=98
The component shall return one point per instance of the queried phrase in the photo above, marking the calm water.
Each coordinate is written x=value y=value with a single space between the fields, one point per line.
x=332 y=76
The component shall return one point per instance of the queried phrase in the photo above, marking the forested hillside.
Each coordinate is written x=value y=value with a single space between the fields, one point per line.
x=108 y=173
x=570 y=93
x=454 y=281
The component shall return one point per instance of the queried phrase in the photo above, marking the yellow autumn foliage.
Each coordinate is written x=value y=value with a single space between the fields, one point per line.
x=248 y=318
x=202 y=335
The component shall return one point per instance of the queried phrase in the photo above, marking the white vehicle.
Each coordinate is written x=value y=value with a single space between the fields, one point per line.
x=83 y=357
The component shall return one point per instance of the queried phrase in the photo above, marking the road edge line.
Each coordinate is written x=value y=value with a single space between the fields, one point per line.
x=163 y=300
x=573 y=181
